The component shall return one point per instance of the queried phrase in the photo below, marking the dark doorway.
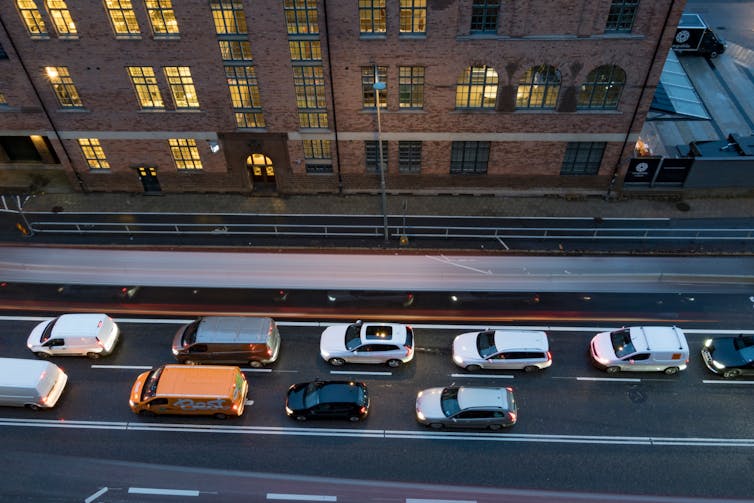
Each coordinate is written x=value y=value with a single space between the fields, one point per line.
x=148 y=177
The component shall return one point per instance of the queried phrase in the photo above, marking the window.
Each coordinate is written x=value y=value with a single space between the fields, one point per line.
x=318 y=156
x=469 y=157
x=622 y=15
x=409 y=156
x=229 y=17
x=602 y=88
x=367 y=86
x=61 y=19
x=123 y=18
x=310 y=86
x=62 y=84
x=484 y=16
x=582 y=158
x=235 y=50
x=162 y=18
x=414 y=16
x=411 y=86
x=93 y=153
x=318 y=168
x=185 y=153
x=32 y=18
x=538 y=88
x=477 y=88
x=313 y=119
x=145 y=84
x=305 y=50
x=372 y=17
x=182 y=87
x=244 y=95
x=301 y=17
x=3 y=101
x=372 y=156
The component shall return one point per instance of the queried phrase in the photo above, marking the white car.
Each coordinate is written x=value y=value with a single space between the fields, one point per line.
x=360 y=342
x=93 y=335
x=502 y=349
x=640 y=349
x=466 y=407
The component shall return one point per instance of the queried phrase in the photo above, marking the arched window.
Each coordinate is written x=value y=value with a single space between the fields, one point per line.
x=538 y=88
x=602 y=88
x=477 y=88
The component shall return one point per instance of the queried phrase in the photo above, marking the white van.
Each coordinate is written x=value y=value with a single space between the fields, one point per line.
x=641 y=349
x=93 y=335
x=30 y=383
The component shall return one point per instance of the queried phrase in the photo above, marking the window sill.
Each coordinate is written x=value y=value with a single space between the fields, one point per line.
x=412 y=36
x=73 y=109
x=372 y=36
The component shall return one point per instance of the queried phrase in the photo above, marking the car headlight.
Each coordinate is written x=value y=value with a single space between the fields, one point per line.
x=131 y=403
x=707 y=343
x=420 y=416
x=288 y=410
x=175 y=352
x=718 y=365
x=325 y=353
x=458 y=360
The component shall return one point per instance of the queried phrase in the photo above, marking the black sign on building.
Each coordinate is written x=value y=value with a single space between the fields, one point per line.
x=641 y=170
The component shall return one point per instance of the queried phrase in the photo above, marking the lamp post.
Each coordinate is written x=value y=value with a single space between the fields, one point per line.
x=378 y=86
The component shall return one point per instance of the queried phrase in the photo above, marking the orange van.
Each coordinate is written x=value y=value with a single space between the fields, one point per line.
x=178 y=389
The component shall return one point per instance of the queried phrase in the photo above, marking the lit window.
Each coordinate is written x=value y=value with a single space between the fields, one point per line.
x=32 y=18
x=622 y=15
x=62 y=84
x=235 y=50
x=309 y=84
x=484 y=16
x=61 y=19
x=316 y=120
x=123 y=17
x=162 y=18
x=145 y=84
x=602 y=88
x=305 y=50
x=538 y=88
x=3 y=101
x=182 y=87
x=372 y=16
x=301 y=17
x=367 y=86
x=229 y=17
x=477 y=88
x=411 y=86
x=317 y=149
x=413 y=16
x=185 y=153
x=582 y=158
x=469 y=157
x=244 y=95
x=93 y=153
x=409 y=156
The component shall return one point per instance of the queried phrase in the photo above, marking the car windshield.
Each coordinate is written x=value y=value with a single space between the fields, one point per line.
x=449 y=402
x=150 y=385
x=48 y=331
x=311 y=394
x=353 y=336
x=743 y=341
x=485 y=343
x=189 y=335
x=622 y=344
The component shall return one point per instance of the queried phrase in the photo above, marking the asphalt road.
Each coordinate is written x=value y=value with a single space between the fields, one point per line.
x=578 y=431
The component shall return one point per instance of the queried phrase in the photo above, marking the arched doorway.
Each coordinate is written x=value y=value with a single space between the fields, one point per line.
x=262 y=172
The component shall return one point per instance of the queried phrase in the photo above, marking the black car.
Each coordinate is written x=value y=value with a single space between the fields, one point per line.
x=328 y=400
x=730 y=356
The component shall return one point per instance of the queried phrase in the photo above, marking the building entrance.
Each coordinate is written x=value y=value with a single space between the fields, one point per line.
x=149 y=181
x=262 y=172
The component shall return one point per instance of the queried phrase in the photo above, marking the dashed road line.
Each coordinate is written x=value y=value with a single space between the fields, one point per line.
x=162 y=492
x=360 y=372
x=484 y=376
x=300 y=497
x=721 y=381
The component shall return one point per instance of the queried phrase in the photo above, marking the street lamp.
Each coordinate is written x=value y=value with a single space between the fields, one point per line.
x=378 y=86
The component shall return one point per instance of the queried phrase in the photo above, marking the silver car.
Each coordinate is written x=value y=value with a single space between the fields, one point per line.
x=502 y=349
x=391 y=343
x=466 y=407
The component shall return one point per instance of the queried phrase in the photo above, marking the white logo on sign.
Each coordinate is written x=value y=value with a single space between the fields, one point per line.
x=641 y=167
x=682 y=36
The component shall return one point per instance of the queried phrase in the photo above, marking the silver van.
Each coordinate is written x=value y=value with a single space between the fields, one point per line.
x=30 y=383
x=228 y=339
x=640 y=349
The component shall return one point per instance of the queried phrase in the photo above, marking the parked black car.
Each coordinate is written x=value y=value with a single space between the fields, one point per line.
x=730 y=356
x=328 y=400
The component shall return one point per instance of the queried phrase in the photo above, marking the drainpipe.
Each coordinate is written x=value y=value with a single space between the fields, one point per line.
x=332 y=97
x=616 y=169
x=80 y=180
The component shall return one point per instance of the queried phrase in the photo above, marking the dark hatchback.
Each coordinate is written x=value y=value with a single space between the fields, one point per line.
x=730 y=356
x=328 y=400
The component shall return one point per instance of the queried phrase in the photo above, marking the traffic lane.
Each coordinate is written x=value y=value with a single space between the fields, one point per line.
x=645 y=469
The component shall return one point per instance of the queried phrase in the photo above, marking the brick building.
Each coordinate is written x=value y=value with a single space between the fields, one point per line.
x=279 y=96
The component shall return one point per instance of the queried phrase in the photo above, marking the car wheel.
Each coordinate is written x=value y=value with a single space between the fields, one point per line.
x=93 y=356
x=473 y=368
x=731 y=373
x=189 y=362
x=354 y=419
x=496 y=427
x=436 y=426
x=394 y=363
x=671 y=371
x=146 y=413
x=713 y=54
x=32 y=406
x=42 y=355
x=220 y=415
x=531 y=368
x=336 y=362
x=255 y=364
x=300 y=418
x=612 y=370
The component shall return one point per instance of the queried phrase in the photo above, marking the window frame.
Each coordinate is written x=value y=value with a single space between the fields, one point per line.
x=229 y=15
x=296 y=11
x=368 y=96
x=409 y=156
x=609 y=88
x=469 y=157
x=531 y=85
x=64 y=88
x=411 y=87
x=468 y=83
x=372 y=18
x=621 y=16
x=185 y=154
x=162 y=15
x=578 y=158
x=122 y=15
x=61 y=18
x=245 y=96
x=413 y=17
x=182 y=87
x=93 y=153
x=484 y=16
x=145 y=86
x=32 y=18
x=372 y=158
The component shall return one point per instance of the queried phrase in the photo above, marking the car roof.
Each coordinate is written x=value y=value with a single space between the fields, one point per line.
x=78 y=324
x=240 y=329
x=521 y=339
x=383 y=333
x=340 y=391
x=658 y=339
x=471 y=397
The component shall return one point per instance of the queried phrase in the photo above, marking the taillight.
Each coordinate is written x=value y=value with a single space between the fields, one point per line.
x=512 y=416
x=408 y=349
x=549 y=356
x=235 y=407
x=363 y=410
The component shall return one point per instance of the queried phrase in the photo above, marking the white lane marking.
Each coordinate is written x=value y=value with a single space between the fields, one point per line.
x=415 y=500
x=619 y=379
x=721 y=381
x=96 y=495
x=129 y=367
x=249 y=402
x=384 y=434
x=263 y=371
x=163 y=492
x=485 y=376
x=300 y=497
x=362 y=372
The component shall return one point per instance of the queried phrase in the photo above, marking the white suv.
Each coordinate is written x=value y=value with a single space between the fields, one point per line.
x=360 y=342
x=502 y=349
